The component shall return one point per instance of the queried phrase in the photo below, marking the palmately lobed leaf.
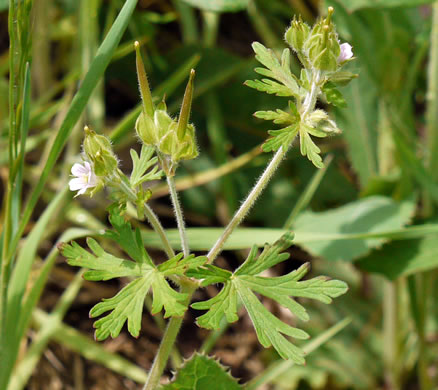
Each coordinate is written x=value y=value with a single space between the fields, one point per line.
x=246 y=281
x=127 y=305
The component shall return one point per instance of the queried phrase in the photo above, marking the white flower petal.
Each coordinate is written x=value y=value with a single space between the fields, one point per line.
x=79 y=170
x=92 y=179
x=346 y=52
x=77 y=183
x=88 y=166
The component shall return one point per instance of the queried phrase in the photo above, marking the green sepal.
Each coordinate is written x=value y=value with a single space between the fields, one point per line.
x=342 y=77
x=333 y=95
x=145 y=129
x=100 y=153
x=297 y=34
x=323 y=45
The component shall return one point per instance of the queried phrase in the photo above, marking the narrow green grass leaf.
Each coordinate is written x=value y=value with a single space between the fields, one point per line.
x=219 y=5
x=415 y=166
x=89 y=349
x=92 y=78
x=27 y=365
x=354 y=5
x=34 y=294
x=19 y=279
x=307 y=195
x=358 y=125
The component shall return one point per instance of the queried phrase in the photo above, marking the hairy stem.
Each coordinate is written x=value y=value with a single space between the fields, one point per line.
x=312 y=96
x=307 y=107
x=174 y=325
x=166 y=345
x=247 y=204
x=178 y=215
x=152 y=219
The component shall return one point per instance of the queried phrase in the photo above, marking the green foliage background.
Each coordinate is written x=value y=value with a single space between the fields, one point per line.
x=368 y=218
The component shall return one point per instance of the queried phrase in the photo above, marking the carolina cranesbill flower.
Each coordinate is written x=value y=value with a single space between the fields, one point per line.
x=84 y=179
x=346 y=52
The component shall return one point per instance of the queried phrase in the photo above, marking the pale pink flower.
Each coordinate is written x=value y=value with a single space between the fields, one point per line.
x=346 y=52
x=84 y=178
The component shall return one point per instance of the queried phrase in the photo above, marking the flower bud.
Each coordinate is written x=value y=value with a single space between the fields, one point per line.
x=323 y=45
x=99 y=152
x=297 y=34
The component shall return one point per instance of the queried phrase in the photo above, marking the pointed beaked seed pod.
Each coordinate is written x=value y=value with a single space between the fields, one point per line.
x=186 y=107
x=323 y=46
x=99 y=151
x=174 y=141
x=145 y=92
x=297 y=34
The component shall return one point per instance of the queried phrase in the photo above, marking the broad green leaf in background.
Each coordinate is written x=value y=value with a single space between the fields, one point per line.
x=4 y=5
x=403 y=258
x=368 y=215
x=202 y=372
x=246 y=281
x=353 y=5
x=202 y=239
x=219 y=5
x=128 y=304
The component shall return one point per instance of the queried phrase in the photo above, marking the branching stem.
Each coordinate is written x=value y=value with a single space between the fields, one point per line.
x=152 y=219
x=175 y=322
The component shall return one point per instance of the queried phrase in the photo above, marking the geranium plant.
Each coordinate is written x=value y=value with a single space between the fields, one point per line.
x=166 y=143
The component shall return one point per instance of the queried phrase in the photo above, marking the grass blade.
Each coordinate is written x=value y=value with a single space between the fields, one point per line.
x=89 y=349
x=94 y=74
x=308 y=192
x=17 y=286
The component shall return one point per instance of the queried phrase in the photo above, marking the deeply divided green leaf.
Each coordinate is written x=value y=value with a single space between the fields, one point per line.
x=246 y=281
x=127 y=305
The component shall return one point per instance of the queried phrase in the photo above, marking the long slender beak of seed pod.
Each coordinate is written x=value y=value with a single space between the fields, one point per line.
x=186 y=107
x=146 y=97
x=330 y=12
